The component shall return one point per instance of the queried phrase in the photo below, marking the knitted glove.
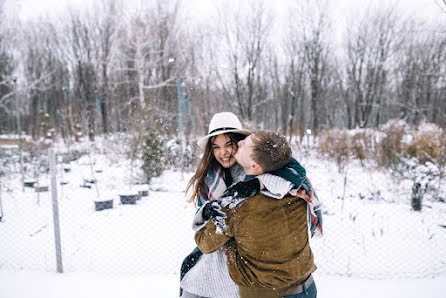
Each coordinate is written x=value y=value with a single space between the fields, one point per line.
x=212 y=210
x=239 y=192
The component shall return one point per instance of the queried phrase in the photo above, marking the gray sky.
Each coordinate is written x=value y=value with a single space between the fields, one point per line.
x=426 y=9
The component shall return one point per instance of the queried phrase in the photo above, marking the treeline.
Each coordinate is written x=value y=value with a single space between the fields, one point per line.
x=110 y=68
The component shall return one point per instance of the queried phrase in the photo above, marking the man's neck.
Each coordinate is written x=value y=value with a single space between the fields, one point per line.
x=252 y=172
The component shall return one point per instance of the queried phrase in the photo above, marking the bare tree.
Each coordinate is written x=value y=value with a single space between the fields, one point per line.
x=369 y=48
x=199 y=80
x=44 y=67
x=152 y=57
x=106 y=35
x=82 y=53
x=312 y=27
x=7 y=66
x=441 y=4
x=118 y=64
x=294 y=86
x=244 y=37
x=421 y=75
x=172 y=44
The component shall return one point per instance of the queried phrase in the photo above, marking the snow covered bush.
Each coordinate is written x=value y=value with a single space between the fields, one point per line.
x=421 y=176
x=428 y=146
x=154 y=151
x=417 y=158
x=153 y=145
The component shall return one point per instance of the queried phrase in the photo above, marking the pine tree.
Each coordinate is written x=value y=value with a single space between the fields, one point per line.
x=154 y=149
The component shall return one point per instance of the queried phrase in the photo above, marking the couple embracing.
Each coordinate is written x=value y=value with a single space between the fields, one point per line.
x=256 y=211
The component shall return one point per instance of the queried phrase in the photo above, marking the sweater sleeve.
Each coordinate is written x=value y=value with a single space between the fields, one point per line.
x=276 y=187
x=198 y=222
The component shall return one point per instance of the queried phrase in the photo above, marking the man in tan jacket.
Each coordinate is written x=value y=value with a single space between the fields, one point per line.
x=266 y=239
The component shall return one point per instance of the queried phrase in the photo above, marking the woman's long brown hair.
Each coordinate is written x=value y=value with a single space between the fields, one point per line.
x=204 y=165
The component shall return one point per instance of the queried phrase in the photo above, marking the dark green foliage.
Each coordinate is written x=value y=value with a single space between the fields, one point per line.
x=154 y=149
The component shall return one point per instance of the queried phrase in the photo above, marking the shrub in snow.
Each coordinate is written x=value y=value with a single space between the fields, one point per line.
x=154 y=152
x=372 y=196
x=335 y=144
x=421 y=176
x=419 y=157
x=363 y=144
x=428 y=146
x=390 y=144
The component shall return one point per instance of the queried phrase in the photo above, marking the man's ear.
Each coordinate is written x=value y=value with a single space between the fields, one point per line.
x=256 y=167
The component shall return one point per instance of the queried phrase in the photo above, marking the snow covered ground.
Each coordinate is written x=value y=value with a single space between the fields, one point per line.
x=93 y=285
x=373 y=244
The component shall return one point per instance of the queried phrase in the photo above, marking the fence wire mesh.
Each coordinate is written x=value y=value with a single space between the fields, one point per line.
x=112 y=222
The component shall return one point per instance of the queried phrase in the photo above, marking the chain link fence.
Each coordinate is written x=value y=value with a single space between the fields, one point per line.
x=112 y=222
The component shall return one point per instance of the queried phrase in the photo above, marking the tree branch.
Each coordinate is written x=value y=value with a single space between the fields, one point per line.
x=4 y=97
x=441 y=4
x=162 y=84
x=431 y=74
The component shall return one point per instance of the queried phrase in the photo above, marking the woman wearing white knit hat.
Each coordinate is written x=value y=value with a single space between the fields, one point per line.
x=207 y=275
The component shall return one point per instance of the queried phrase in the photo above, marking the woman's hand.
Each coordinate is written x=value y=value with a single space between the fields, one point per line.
x=212 y=210
x=242 y=190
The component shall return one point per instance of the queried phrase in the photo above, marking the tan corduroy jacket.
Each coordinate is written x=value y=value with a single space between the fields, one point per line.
x=267 y=245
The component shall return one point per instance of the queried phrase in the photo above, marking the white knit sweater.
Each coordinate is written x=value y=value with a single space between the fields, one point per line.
x=210 y=277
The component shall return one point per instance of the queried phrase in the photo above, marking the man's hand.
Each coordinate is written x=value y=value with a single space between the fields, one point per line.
x=212 y=210
x=239 y=192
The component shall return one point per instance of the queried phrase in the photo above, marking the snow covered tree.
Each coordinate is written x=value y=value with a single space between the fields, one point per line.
x=154 y=148
x=7 y=66
x=152 y=57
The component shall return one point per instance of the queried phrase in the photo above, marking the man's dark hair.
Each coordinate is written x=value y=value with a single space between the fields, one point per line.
x=270 y=150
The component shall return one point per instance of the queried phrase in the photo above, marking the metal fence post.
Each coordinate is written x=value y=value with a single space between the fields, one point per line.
x=19 y=130
x=52 y=161
x=1 y=206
